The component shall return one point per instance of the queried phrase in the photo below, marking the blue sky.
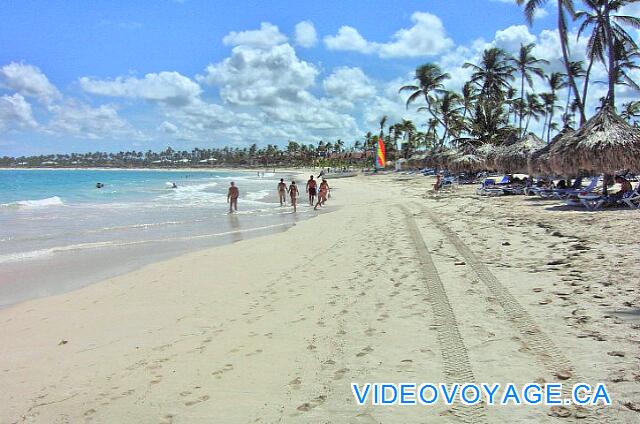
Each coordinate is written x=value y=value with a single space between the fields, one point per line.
x=114 y=75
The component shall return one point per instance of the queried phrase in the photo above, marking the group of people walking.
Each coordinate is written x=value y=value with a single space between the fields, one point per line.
x=312 y=189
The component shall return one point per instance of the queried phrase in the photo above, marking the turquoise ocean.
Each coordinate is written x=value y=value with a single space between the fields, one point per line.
x=58 y=232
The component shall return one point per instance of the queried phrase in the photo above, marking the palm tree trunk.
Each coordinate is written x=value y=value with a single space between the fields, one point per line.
x=611 y=96
x=565 y=56
x=586 y=81
x=521 y=101
x=566 y=108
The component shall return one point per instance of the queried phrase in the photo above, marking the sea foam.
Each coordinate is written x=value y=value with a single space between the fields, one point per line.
x=38 y=203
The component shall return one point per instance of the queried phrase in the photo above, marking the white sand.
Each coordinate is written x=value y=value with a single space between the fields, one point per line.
x=274 y=329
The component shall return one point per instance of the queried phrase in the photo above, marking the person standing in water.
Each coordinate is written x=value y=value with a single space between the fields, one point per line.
x=311 y=189
x=294 y=193
x=282 y=192
x=322 y=194
x=232 y=197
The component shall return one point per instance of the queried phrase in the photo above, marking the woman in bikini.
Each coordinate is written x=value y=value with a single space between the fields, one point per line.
x=322 y=194
x=294 y=193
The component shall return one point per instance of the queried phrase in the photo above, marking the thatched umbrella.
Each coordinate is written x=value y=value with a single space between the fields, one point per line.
x=513 y=157
x=469 y=162
x=605 y=144
x=538 y=163
x=488 y=153
x=417 y=159
x=437 y=158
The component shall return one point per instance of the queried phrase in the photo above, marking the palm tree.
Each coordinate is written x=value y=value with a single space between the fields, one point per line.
x=549 y=104
x=527 y=64
x=383 y=121
x=448 y=107
x=468 y=97
x=534 y=109
x=556 y=82
x=631 y=111
x=430 y=79
x=565 y=7
x=608 y=42
x=619 y=42
x=577 y=71
x=493 y=74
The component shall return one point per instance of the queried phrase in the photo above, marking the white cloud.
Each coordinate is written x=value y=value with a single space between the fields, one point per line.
x=511 y=38
x=349 y=84
x=81 y=120
x=15 y=110
x=306 y=35
x=28 y=80
x=267 y=36
x=168 y=127
x=258 y=76
x=349 y=39
x=427 y=37
x=165 y=87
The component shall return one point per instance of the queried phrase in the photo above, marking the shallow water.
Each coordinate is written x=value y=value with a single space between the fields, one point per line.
x=59 y=232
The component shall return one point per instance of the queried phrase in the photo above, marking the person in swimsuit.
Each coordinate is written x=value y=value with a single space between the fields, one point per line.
x=232 y=197
x=327 y=193
x=311 y=189
x=625 y=187
x=282 y=192
x=294 y=193
x=322 y=194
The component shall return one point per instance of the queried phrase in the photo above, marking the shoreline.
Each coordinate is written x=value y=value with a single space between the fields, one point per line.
x=87 y=280
x=388 y=287
x=167 y=169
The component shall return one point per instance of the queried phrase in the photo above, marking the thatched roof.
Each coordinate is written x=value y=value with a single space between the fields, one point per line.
x=514 y=156
x=488 y=153
x=417 y=159
x=439 y=157
x=538 y=163
x=469 y=162
x=604 y=144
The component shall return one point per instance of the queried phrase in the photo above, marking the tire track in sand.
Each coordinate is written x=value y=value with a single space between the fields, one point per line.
x=545 y=351
x=457 y=367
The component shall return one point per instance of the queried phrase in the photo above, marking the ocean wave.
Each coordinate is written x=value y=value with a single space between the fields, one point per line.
x=257 y=195
x=38 y=203
x=42 y=253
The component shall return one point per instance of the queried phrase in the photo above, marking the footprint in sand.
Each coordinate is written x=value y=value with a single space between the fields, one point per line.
x=196 y=401
x=226 y=368
x=307 y=406
x=339 y=375
x=364 y=351
x=296 y=382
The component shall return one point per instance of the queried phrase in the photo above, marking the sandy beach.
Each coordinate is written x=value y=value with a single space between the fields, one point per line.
x=392 y=285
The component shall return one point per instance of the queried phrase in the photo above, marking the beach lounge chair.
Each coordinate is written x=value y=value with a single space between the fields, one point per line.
x=632 y=199
x=576 y=188
x=487 y=187
x=592 y=202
